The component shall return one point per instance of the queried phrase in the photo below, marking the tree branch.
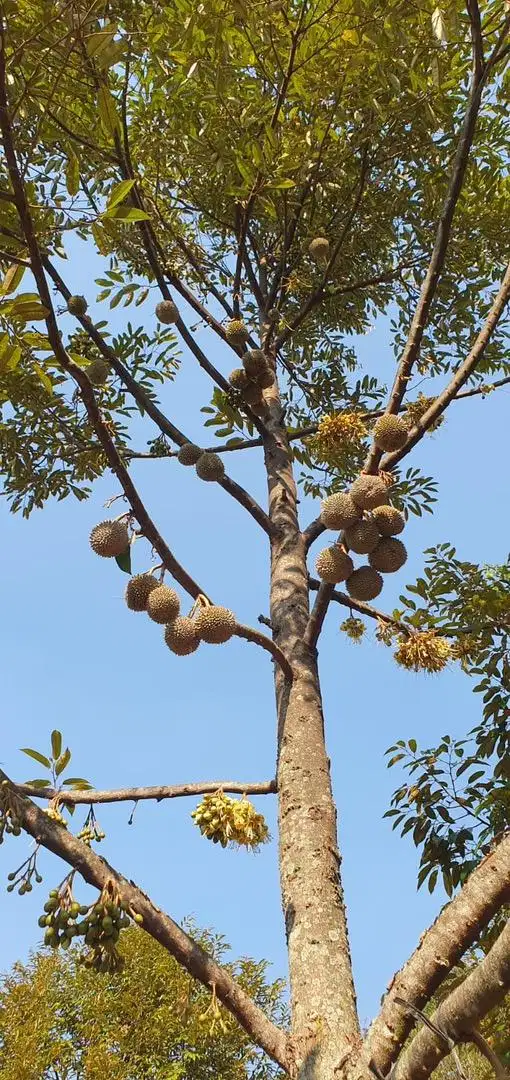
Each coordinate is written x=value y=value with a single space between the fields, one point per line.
x=459 y=1013
x=475 y=23
x=162 y=422
x=140 y=794
x=460 y=377
x=361 y=607
x=318 y=614
x=440 y=948
x=96 y=871
x=437 y=259
x=483 y=1046
x=258 y=638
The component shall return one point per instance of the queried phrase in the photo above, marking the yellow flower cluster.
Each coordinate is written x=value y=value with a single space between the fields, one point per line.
x=423 y=652
x=415 y=409
x=339 y=436
x=354 y=628
x=230 y=821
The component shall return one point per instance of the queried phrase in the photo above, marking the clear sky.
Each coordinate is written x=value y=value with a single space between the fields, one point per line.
x=75 y=658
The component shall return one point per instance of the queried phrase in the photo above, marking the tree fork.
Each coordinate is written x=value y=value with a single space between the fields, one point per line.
x=325 y=1026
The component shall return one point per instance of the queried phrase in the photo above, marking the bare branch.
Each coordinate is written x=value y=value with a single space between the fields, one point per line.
x=96 y=871
x=459 y=1013
x=158 y=792
x=440 y=948
x=361 y=607
x=258 y=638
x=475 y=22
x=318 y=614
x=437 y=260
x=483 y=1046
x=460 y=377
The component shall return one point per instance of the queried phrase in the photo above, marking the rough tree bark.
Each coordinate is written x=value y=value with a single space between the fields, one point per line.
x=325 y=1027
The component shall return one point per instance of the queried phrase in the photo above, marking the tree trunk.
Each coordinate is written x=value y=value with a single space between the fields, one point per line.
x=325 y=1026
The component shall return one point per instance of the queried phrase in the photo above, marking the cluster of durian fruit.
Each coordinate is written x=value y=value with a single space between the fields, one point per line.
x=369 y=525
x=9 y=821
x=183 y=633
x=256 y=374
x=99 y=924
x=230 y=821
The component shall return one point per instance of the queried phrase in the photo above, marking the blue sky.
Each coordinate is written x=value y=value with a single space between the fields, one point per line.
x=75 y=658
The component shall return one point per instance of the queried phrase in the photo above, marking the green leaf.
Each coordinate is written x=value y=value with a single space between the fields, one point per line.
x=124 y=560
x=10 y=356
x=78 y=783
x=72 y=173
x=108 y=111
x=45 y=379
x=38 y=783
x=12 y=279
x=28 y=310
x=56 y=743
x=63 y=762
x=37 y=756
x=118 y=193
x=126 y=213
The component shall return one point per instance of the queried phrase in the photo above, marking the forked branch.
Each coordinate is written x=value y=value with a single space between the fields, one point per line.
x=460 y=1013
x=440 y=948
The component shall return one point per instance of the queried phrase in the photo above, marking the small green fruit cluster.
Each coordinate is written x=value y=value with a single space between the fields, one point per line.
x=230 y=821
x=9 y=821
x=60 y=919
x=99 y=924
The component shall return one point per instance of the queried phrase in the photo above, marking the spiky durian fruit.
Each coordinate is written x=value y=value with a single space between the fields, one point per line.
x=109 y=538
x=319 y=249
x=389 y=520
x=77 y=305
x=97 y=372
x=238 y=379
x=210 y=467
x=362 y=537
x=138 y=591
x=364 y=584
x=368 y=492
x=189 y=453
x=215 y=624
x=333 y=565
x=236 y=332
x=254 y=362
x=390 y=432
x=163 y=604
x=423 y=651
x=181 y=636
x=389 y=555
x=339 y=512
x=167 y=312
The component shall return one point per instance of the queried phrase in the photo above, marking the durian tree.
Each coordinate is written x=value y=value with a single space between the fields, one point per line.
x=279 y=175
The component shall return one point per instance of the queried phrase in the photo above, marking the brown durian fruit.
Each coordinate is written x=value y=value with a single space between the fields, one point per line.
x=109 y=538
x=333 y=565
x=363 y=537
x=210 y=467
x=364 y=584
x=389 y=520
x=368 y=492
x=189 y=453
x=181 y=636
x=390 y=432
x=167 y=312
x=389 y=555
x=138 y=591
x=163 y=604
x=215 y=624
x=339 y=512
